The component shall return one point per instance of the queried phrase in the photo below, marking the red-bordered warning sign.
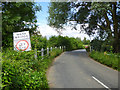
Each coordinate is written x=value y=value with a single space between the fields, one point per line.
x=22 y=45
x=22 y=41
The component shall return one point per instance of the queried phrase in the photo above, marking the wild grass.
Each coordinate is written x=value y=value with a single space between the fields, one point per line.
x=109 y=59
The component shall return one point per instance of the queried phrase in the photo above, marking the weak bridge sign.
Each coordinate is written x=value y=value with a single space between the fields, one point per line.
x=22 y=41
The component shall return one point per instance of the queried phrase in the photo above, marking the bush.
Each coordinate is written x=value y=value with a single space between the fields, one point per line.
x=21 y=71
x=55 y=53
x=38 y=42
x=108 y=59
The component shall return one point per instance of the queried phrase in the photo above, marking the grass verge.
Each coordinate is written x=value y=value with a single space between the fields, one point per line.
x=21 y=71
x=109 y=59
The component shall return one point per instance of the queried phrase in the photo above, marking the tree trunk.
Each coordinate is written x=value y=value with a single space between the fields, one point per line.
x=108 y=29
x=116 y=48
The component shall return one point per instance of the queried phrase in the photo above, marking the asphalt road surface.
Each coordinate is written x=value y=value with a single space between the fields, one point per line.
x=74 y=69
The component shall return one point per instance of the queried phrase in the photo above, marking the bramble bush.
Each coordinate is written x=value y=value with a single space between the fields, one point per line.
x=21 y=71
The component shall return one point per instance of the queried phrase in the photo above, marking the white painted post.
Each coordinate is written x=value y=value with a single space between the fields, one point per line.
x=42 y=52
x=51 y=49
x=48 y=51
x=55 y=47
x=35 y=54
x=60 y=47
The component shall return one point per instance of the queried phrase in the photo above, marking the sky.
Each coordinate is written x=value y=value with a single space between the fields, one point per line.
x=48 y=31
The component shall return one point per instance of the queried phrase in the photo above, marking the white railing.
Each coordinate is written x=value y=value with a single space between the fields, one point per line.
x=48 y=49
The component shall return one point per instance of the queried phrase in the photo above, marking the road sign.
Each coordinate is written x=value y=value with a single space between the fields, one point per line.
x=22 y=41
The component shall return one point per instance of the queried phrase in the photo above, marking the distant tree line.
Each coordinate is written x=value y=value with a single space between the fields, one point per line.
x=71 y=43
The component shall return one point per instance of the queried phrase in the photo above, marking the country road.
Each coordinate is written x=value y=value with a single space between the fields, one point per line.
x=74 y=69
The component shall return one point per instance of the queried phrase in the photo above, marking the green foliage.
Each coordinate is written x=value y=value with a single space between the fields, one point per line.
x=55 y=53
x=86 y=42
x=14 y=16
x=99 y=18
x=38 y=42
x=70 y=43
x=21 y=71
x=96 y=44
x=100 y=45
x=108 y=59
x=58 y=14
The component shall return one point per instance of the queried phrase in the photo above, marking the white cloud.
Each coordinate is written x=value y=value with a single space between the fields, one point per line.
x=48 y=31
x=74 y=33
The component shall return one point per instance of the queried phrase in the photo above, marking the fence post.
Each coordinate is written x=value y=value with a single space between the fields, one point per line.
x=35 y=54
x=51 y=49
x=48 y=51
x=60 y=47
x=42 y=52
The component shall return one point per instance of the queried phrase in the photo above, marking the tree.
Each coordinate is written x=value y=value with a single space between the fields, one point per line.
x=15 y=16
x=53 y=41
x=86 y=42
x=38 y=42
x=94 y=17
x=58 y=14
x=70 y=43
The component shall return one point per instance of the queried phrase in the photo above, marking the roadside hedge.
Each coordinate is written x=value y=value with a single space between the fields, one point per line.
x=21 y=71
